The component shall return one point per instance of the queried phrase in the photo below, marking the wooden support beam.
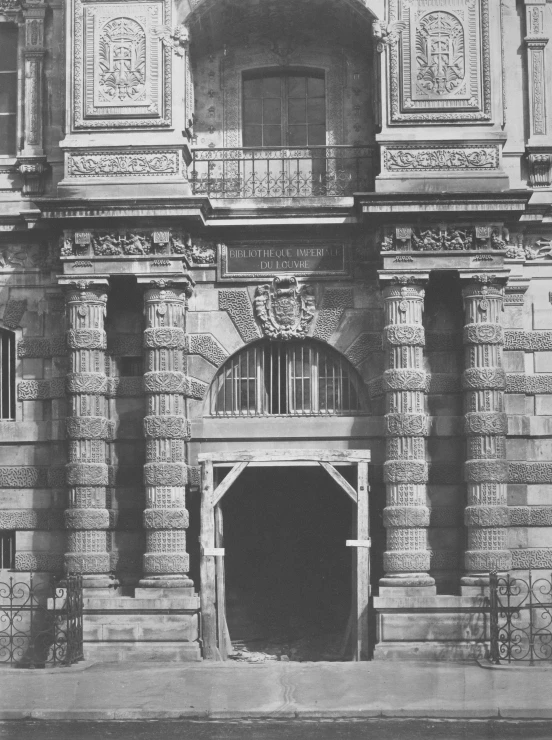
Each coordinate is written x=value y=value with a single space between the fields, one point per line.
x=290 y=455
x=361 y=646
x=207 y=566
x=222 y=487
x=340 y=480
x=224 y=642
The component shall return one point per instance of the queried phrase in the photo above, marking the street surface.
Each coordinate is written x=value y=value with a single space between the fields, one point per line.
x=370 y=729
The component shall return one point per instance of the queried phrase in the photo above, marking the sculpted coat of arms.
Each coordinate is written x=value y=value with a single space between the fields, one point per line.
x=284 y=309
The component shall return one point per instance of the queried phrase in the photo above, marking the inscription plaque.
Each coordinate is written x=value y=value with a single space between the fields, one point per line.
x=254 y=259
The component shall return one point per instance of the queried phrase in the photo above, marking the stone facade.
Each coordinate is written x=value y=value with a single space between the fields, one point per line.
x=144 y=246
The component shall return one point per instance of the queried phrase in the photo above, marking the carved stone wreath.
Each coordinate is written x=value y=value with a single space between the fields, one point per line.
x=285 y=310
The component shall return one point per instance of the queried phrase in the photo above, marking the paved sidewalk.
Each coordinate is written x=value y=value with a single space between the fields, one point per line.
x=275 y=690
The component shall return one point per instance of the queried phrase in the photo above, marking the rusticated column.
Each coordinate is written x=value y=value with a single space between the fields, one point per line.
x=166 y=429
x=406 y=515
x=87 y=518
x=485 y=425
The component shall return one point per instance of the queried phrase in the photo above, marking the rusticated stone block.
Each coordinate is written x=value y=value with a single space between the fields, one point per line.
x=38 y=562
x=334 y=303
x=237 y=303
x=197 y=389
x=166 y=519
x=39 y=347
x=540 y=557
x=31 y=519
x=486 y=471
x=166 y=563
x=207 y=347
x=406 y=425
x=530 y=516
x=486 y=561
x=86 y=339
x=486 y=516
x=484 y=378
x=165 y=474
x=23 y=477
x=164 y=337
x=405 y=380
x=89 y=383
x=13 y=313
x=485 y=422
x=528 y=341
x=405 y=471
x=406 y=562
x=87 y=427
x=86 y=518
x=405 y=335
x=483 y=334
x=87 y=563
x=406 y=516
x=530 y=472
x=167 y=427
x=194 y=475
x=363 y=346
x=87 y=474
x=166 y=382
x=33 y=390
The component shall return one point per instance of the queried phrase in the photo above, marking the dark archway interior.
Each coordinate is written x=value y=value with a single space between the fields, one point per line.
x=288 y=569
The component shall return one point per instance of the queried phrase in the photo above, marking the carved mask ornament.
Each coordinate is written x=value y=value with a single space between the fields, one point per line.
x=284 y=309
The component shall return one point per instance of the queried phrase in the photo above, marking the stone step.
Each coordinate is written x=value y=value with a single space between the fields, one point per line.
x=162 y=652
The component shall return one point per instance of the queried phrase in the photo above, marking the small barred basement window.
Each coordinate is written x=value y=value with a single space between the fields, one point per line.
x=7 y=549
x=286 y=378
x=7 y=374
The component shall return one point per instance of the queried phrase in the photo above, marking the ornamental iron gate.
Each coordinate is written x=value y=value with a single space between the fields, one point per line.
x=40 y=622
x=520 y=618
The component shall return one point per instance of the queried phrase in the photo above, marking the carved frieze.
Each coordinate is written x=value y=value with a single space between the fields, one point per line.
x=409 y=158
x=460 y=238
x=122 y=69
x=440 y=68
x=137 y=243
x=285 y=309
x=150 y=163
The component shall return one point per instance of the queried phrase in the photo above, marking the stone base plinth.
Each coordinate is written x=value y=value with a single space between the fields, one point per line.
x=162 y=628
x=417 y=626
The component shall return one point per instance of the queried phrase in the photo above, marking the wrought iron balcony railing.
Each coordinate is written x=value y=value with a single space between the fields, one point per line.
x=282 y=172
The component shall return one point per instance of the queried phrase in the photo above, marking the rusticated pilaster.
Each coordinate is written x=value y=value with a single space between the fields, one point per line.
x=166 y=429
x=406 y=515
x=485 y=426
x=87 y=518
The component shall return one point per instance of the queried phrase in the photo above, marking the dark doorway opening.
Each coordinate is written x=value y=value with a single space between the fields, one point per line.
x=288 y=570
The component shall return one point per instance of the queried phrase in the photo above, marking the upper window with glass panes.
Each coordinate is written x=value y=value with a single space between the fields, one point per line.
x=283 y=110
x=8 y=88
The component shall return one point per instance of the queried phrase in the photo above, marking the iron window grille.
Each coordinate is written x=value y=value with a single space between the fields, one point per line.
x=7 y=375
x=286 y=378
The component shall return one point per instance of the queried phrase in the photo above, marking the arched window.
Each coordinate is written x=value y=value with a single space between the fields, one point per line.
x=289 y=378
x=7 y=374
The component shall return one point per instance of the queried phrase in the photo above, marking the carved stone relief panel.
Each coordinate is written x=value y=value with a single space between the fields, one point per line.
x=122 y=73
x=440 y=61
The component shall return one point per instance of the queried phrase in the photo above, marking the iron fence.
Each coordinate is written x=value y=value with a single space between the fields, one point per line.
x=520 y=618
x=282 y=172
x=40 y=622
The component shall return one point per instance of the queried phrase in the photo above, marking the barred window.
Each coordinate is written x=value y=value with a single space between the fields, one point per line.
x=7 y=548
x=8 y=88
x=7 y=374
x=286 y=378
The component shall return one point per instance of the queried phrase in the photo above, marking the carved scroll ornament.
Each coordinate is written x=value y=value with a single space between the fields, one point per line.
x=285 y=309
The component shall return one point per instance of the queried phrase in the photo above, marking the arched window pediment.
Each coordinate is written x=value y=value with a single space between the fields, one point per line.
x=287 y=378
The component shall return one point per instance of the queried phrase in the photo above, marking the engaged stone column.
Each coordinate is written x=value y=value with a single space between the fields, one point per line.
x=87 y=518
x=406 y=516
x=166 y=428
x=486 y=425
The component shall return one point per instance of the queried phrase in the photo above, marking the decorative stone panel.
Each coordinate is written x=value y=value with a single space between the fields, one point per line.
x=334 y=303
x=207 y=347
x=240 y=309
x=40 y=347
x=140 y=92
x=38 y=562
x=527 y=341
x=30 y=519
x=463 y=91
x=13 y=313
x=363 y=346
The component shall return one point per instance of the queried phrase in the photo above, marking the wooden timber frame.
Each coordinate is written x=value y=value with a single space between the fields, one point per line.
x=216 y=643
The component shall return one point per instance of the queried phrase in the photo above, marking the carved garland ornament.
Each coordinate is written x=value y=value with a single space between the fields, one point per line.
x=285 y=310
